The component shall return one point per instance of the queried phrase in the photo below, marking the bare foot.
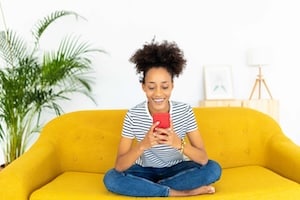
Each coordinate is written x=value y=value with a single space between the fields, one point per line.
x=201 y=190
x=204 y=190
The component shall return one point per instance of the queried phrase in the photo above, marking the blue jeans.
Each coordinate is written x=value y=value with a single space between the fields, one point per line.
x=156 y=182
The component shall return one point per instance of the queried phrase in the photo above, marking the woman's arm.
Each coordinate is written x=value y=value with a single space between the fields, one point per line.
x=195 y=149
x=129 y=153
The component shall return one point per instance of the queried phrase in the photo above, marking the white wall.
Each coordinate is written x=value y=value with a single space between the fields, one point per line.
x=209 y=31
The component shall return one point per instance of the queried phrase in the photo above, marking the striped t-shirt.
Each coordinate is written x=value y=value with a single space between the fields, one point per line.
x=138 y=122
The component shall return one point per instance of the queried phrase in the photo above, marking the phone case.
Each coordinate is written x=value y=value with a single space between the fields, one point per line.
x=163 y=118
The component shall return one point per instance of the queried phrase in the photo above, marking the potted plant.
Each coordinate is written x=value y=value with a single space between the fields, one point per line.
x=33 y=80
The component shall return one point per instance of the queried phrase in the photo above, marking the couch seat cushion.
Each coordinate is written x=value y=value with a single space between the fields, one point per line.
x=255 y=182
x=250 y=182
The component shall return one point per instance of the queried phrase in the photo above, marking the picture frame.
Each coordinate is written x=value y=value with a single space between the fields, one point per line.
x=218 y=82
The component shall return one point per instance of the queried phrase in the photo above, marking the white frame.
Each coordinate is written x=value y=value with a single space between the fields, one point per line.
x=218 y=82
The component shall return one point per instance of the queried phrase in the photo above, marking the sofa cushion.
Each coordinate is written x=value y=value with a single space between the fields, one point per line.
x=255 y=182
x=250 y=182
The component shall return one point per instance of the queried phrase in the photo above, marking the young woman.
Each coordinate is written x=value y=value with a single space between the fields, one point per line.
x=161 y=163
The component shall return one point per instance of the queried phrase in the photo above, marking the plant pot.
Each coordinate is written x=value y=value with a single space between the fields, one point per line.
x=2 y=166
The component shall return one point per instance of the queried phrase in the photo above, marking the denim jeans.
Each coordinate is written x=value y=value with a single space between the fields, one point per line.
x=156 y=182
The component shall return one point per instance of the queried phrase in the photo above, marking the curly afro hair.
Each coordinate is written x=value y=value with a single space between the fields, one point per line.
x=165 y=54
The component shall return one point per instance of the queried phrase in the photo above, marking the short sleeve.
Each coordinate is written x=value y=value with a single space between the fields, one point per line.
x=127 y=126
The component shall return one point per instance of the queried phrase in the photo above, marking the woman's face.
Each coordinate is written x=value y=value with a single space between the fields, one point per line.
x=158 y=87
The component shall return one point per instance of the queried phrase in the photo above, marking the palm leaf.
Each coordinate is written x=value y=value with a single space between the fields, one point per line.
x=42 y=24
x=71 y=60
x=12 y=48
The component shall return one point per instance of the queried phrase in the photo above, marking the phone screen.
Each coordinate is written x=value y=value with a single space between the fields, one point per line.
x=163 y=118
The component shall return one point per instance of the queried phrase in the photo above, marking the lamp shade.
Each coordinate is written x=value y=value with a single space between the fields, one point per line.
x=258 y=56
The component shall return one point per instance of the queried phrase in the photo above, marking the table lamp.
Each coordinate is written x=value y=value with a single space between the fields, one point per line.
x=259 y=58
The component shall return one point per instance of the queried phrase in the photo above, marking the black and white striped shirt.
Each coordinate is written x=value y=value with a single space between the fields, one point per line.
x=138 y=122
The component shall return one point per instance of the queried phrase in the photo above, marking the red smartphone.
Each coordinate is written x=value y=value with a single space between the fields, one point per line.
x=163 y=118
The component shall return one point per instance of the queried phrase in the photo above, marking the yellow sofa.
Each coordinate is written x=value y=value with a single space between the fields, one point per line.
x=74 y=151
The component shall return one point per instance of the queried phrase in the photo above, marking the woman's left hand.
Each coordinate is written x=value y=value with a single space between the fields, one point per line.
x=168 y=136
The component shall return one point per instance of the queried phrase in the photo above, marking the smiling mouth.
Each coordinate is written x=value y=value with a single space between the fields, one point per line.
x=158 y=100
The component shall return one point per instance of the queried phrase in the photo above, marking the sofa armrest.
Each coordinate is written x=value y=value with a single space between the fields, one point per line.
x=284 y=157
x=30 y=171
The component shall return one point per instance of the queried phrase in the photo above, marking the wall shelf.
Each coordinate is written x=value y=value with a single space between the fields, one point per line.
x=267 y=106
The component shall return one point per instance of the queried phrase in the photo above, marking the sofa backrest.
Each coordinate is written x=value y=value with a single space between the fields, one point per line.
x=88 y=140
x=236 y=136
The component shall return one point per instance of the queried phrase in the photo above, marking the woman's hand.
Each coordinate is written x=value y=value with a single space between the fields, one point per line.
x=150 y=138
x=167 y=136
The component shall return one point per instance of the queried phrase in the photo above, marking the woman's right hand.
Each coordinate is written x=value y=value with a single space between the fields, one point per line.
x=150 y=138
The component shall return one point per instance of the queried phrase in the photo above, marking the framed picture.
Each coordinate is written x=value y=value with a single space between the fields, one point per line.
x=218 y=82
